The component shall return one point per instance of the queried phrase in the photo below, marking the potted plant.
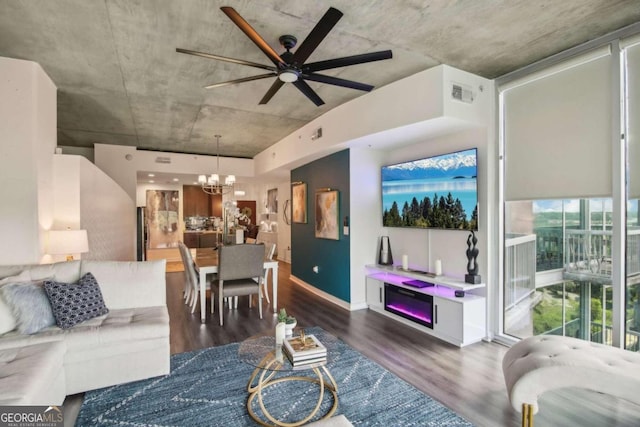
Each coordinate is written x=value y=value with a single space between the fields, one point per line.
x=290 y=322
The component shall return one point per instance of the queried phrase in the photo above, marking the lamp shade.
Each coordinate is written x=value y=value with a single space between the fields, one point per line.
x=65 y=242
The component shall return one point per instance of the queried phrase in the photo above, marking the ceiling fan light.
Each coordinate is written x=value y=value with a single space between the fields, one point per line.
x=288 y=76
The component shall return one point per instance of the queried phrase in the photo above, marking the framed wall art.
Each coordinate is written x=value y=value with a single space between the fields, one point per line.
x=162 y=212
x=299 y=202
x=327 y=214
x=272 y=201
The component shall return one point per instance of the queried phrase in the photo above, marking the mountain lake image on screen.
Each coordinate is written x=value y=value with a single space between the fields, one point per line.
x=434 y=192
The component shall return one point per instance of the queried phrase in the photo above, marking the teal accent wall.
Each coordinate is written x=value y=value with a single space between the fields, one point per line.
x=307 y=251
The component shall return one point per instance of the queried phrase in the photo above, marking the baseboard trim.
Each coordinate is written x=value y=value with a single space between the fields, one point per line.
x=324 y=295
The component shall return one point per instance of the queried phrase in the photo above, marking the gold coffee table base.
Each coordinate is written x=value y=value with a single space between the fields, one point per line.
x=265 y=381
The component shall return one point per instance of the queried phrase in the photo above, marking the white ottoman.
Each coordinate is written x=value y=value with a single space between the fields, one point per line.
x=548 y=362
x=337 y=421
x=33 y=375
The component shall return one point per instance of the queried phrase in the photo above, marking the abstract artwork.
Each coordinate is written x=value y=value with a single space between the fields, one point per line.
x=272 y=200
x=162 y=218
x=327 y=215
x=299 y=202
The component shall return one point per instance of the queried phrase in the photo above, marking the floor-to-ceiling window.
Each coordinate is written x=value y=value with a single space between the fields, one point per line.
x=558 y=280
x=631 y=91
x=571 y=247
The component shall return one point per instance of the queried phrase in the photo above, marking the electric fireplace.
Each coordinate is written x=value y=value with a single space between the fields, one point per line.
x=415 y=306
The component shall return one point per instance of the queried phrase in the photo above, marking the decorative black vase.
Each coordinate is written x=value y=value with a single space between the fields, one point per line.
x=472 y=260
x=384 y=254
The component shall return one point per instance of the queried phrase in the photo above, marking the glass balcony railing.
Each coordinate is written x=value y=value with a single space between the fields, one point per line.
x=520 y=268
x=588 y=255
x=540 y=299
x=598 y=334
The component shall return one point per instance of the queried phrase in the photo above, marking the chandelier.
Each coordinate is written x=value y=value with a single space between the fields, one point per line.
x=212 y=183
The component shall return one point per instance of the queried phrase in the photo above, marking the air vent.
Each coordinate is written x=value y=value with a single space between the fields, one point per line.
x=165 y=160
x=461 y=93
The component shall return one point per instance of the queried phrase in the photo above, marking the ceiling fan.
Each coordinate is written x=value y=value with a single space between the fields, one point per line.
x=290 y=67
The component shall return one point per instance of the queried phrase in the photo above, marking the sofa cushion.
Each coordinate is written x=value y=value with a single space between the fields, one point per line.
x=29 y=304
x=129 y=284
x=32 y=375
x=73 y=303
x=67 y=271
x=126 y=325
x=7 y=319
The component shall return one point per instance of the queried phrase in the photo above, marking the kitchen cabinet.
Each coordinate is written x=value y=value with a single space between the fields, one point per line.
x=198 y=203
x=195 y=201
x=191 y=240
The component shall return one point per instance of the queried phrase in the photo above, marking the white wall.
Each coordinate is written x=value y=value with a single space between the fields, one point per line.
x=107 y=213
x=421 y=101
x=366 y=217
x=122 y=163
x=27 y=143
x=86 y=198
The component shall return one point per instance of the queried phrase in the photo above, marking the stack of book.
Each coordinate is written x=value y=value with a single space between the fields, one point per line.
x=303 y=353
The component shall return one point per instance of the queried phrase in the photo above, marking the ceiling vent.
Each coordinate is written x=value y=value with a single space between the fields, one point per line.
x=461 y=93
x=165 y=160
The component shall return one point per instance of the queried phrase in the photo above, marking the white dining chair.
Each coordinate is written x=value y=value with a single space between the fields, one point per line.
x=269 y=251
x=192 y=278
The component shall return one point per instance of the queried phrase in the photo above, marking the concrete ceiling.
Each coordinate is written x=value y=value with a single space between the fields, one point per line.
x=120 y=80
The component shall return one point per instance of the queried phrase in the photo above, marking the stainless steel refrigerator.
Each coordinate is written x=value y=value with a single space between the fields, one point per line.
x=141 y=234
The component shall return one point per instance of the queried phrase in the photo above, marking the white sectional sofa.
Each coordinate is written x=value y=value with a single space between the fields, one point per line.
x=129 y=343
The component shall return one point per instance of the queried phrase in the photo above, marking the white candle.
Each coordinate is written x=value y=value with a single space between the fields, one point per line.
x=405 y=262
x=438 y=267
x=280 y=331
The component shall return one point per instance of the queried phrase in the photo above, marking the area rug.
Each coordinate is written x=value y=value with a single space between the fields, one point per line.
x=208 y=388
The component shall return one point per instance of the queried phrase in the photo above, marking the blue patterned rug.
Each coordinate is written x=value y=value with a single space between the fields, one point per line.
x=208 y=388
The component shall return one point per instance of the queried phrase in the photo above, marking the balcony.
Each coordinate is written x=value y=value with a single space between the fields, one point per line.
x=538 y=267
x=587 y=256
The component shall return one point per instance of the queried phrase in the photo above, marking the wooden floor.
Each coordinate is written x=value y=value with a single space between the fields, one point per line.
x=468 y=380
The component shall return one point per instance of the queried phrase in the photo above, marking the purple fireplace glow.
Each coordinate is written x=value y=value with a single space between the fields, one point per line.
x=409 y=304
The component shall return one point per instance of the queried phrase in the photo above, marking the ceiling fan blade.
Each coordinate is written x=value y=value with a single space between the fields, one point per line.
x=319 y=32
x=347 y=60
x=338 y=82
x=242 y=80
x=224 y=58
x=252 y=34
x=308 y=92
x=272 y=91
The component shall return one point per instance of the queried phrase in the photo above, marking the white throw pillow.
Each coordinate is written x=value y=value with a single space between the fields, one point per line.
x=30 y=306
x=7 y=319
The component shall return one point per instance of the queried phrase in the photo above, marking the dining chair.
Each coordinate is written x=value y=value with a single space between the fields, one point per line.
x=192 y=278
x=187 y=281
x=238 y=266
x=269 y=251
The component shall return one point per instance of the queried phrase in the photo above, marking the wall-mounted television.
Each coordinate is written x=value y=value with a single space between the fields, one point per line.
x=434 y=192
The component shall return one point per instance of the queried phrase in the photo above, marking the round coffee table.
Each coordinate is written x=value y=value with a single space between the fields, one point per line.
x=261 y=352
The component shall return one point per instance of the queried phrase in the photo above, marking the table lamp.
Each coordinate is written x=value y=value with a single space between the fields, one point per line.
x=68 y=242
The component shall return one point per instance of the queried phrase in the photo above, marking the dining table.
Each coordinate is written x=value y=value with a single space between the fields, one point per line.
x=206 y=260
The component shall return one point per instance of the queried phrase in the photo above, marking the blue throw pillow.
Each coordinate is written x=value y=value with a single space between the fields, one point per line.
x=29 y=305
x=73 y=303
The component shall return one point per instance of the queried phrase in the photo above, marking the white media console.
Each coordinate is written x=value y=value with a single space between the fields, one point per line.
x=459 y=320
